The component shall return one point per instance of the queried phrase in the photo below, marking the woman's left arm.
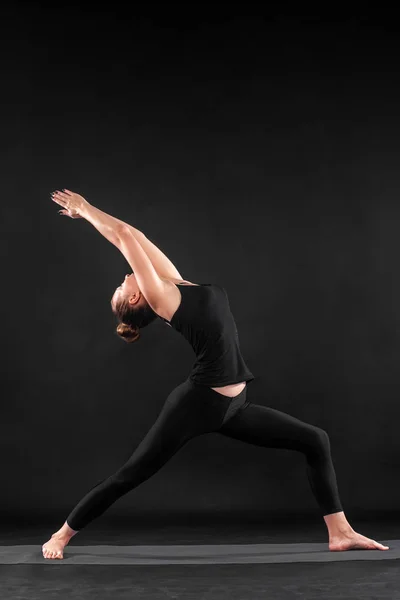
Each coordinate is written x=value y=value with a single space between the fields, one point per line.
x=75 y=206
x=119 y=234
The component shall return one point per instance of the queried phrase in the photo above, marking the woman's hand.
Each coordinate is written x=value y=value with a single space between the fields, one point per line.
x=73 y=204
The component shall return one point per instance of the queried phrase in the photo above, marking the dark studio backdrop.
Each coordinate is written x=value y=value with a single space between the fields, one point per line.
x=260 y=153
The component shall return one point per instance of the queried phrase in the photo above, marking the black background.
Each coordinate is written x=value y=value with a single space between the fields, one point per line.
x=260 y=152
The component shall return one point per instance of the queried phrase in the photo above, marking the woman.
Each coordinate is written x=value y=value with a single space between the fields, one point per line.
x=212 y=399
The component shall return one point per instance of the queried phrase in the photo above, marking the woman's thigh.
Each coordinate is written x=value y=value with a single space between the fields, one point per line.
x=271 y=428
x=189 y=411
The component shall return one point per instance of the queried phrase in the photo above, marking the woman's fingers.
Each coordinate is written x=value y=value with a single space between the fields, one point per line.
x=69 y=201
x=60 y=203
x=59 y=196
x=62 y=195
x=69 y=213
x=59 y=200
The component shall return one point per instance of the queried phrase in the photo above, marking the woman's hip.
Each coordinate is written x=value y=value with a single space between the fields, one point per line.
x=201 y=407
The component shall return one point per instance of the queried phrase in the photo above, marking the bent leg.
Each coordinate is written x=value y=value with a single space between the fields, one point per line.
x=270 y=428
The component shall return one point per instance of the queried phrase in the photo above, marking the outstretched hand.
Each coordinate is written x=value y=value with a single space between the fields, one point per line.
x=72 y=203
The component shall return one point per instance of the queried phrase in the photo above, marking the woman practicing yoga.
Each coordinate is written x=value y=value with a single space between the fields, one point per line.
x=213 y=397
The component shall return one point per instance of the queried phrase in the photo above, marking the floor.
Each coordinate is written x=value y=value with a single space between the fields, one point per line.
x=346 y=579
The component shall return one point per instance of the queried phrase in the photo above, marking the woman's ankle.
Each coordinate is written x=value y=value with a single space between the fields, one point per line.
x=65 y=532
x=338 y=524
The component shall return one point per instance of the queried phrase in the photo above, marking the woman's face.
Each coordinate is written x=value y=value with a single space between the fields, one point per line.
x=128 y=289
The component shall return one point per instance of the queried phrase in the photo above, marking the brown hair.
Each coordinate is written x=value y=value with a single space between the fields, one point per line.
x=132 y=319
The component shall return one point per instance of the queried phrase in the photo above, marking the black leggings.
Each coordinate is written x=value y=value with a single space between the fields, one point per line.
x=191 y=410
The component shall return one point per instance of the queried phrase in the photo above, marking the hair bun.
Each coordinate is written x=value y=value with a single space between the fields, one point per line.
x=128 y=333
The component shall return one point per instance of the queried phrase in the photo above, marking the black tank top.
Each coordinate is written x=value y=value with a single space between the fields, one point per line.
x=205 y=320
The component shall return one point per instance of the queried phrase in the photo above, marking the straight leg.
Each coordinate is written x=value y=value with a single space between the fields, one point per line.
x=189 y=411
x=176 y=424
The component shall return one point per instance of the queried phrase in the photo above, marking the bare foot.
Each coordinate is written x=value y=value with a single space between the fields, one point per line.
x=353 y=541
x=55 y=546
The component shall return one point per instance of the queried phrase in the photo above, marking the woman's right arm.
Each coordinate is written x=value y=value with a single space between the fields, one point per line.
x=76 y=205
x=110 y=227
x=119 y=234
x=162 y=264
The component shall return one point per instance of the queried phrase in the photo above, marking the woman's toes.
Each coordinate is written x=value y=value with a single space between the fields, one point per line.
x=381 y=546
x=53 y=549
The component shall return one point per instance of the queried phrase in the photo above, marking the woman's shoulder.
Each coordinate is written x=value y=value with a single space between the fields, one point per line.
x=179 y=281
x=172 y=298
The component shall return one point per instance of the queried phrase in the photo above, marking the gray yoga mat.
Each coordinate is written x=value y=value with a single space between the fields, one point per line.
x=194 y=555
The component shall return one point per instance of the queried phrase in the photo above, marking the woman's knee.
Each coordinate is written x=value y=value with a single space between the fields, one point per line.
x=138 y=470
x=320 y=440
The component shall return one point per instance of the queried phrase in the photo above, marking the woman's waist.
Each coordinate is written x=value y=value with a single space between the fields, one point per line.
x=230 y=390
